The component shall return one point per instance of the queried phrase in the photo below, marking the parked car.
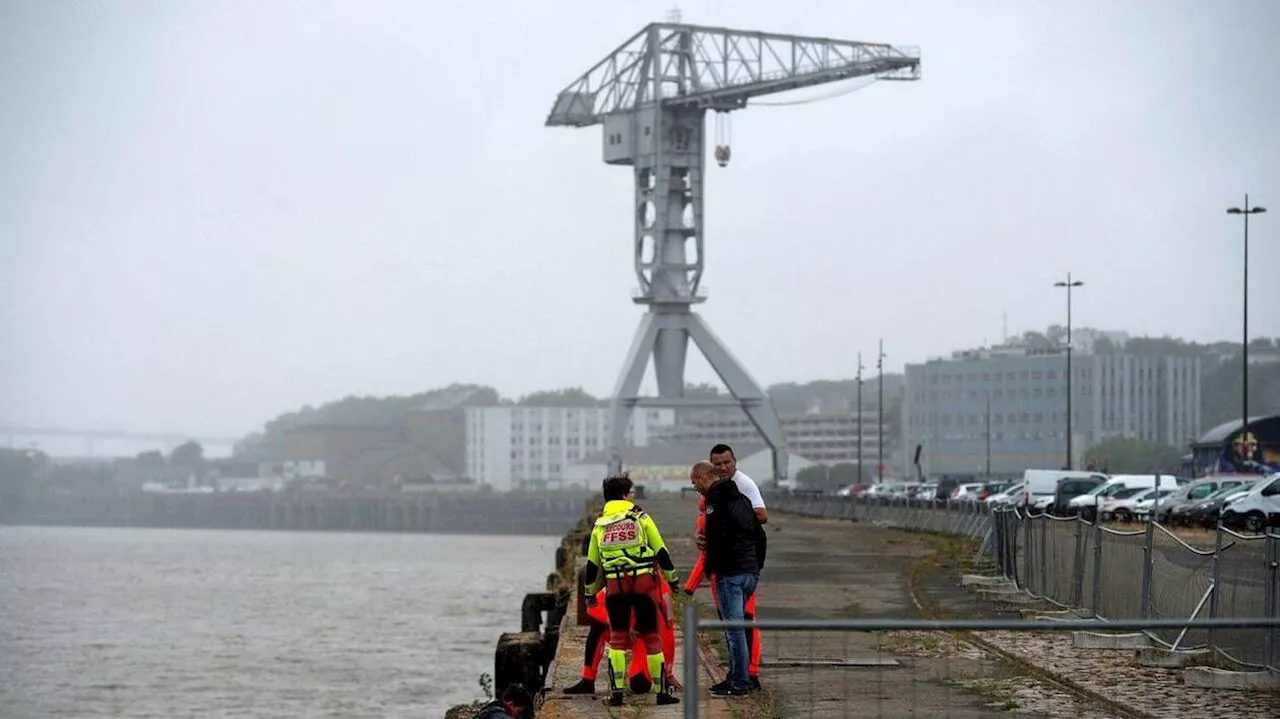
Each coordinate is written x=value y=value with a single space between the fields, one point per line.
x=1107 y=506
x=990 y=488
x=1144 y=503
x=946 y=486
x=1087 y=504
x=1125 y=509
x=1205 y=512
x=967 y=492
x=1041 y=503
x=1044 y=482
x=1190 y=493
x=1255 y=509
x=1069 y=489
x=1007 y=497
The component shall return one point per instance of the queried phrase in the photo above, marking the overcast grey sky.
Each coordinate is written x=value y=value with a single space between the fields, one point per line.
x=214 y=212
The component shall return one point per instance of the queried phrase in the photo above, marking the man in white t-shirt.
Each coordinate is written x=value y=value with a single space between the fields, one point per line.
x=727 y=467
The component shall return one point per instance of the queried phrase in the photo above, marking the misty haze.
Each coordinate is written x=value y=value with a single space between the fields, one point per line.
x=323 y=322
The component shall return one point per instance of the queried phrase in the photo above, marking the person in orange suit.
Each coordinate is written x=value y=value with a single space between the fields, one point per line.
x=698 y=573
x=599 y=631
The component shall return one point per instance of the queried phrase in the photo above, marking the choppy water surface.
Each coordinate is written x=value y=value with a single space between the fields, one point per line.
x=178 y=623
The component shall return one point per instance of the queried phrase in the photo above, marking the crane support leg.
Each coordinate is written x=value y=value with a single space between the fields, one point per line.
x=664 y=333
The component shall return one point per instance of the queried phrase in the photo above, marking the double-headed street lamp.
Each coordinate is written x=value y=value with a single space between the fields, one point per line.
x=1070 y=283
x=880 y=355
x=1244 y=350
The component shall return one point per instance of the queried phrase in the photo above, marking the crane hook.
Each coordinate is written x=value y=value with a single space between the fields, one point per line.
x=722 y=152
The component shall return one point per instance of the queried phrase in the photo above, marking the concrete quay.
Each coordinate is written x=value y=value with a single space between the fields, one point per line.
x=831 y=568
x=816 y=569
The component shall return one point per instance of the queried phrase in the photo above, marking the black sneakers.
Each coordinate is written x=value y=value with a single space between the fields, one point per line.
x=724 y=689
x=586 y=686
x=753 y=685
x=665 y=699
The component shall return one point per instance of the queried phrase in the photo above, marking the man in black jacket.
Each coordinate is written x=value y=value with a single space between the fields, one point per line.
x=735 y=550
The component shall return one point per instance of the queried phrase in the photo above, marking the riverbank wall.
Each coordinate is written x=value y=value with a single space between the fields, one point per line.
x=526 y=656
x=525 y=514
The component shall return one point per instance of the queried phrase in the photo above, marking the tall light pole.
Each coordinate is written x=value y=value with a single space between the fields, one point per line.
x=988 y=435
x=1069 y=284
x=880 y=413
x=860 y=418
x=1244 y=349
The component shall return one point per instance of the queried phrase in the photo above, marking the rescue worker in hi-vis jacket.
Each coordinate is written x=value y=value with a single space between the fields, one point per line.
x=698 y=573
x=598 y=633
x=625 y=556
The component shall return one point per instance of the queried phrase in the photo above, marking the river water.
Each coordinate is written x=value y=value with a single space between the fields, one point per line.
x=192 y=623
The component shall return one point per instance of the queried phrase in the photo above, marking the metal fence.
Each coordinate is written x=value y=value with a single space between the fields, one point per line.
x=966 y=668
x=1103 y=572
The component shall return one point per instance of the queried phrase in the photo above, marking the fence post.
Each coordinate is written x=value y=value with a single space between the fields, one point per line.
x=1026 y=551
x=1148 y=565
x=1043 y=567
x=691 y=661
x=1215 y=587
x=1271 y=601
x=1008 y=548
x=1077 y=582
x=997 y=545
x=1097 y=568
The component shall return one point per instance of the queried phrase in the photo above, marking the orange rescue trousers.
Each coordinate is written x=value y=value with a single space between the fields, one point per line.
x=598 y=638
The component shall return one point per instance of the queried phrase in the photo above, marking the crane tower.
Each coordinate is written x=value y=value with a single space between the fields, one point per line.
x=651 y=96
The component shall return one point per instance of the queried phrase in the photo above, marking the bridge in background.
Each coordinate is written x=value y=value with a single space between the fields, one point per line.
x=13 y=431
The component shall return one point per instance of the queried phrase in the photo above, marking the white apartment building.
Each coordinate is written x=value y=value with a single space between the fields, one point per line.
x=511 y=446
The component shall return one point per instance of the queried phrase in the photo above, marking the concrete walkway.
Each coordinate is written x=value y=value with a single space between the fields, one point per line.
x=675 y=519
x=567 y=670
x=815 y=568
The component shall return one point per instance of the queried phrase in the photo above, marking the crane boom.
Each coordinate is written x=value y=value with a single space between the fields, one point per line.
x=717 y=68
x=651 y=97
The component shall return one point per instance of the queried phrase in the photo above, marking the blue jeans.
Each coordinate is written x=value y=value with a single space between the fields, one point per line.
x=733 y=591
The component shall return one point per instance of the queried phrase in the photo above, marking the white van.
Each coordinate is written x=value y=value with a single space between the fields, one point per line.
x=1037 y=483
x=1088 y=503
x=1255 y=509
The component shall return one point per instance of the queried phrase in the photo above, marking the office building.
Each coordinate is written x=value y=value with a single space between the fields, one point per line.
x=825 y=438
x=1008 y=403
x=514 y=446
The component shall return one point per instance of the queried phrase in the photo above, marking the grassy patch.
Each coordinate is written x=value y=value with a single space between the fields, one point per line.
x=1215 y=660
x=1000 y=691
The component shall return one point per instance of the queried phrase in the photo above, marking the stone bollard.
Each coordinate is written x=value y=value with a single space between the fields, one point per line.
x=518 y=659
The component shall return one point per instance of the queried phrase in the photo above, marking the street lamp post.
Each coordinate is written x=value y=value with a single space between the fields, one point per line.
x=988 y=435
x=860 y=419
x=1244 y=349
x=880 y=413
x=1069 y=284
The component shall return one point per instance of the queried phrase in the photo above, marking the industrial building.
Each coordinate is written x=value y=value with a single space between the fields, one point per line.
x=514 y=446
x=823 y=438
x=1006 y=406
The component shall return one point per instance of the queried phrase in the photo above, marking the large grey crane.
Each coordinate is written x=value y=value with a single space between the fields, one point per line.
x=651 y=95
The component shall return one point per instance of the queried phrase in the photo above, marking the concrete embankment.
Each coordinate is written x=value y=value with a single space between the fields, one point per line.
x=545 y=514
x=524 y=657
x=1037 y=674
x=827 y=568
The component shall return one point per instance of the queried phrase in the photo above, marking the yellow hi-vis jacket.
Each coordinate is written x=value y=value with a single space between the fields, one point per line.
x=624 y=542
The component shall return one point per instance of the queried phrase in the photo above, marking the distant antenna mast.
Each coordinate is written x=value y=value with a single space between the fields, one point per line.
x=1004 y=329
x=673 y=15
